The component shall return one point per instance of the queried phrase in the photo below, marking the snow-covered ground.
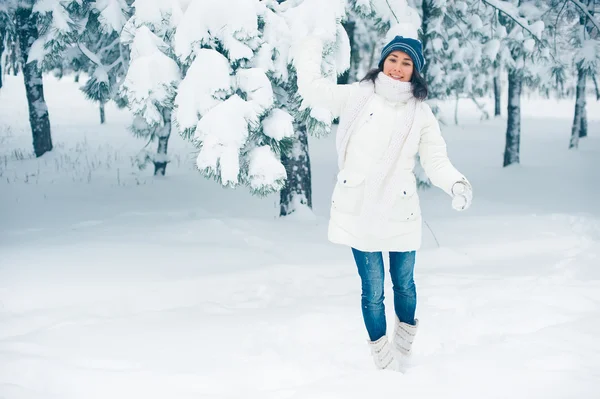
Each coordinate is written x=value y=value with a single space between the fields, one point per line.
x=115 y=284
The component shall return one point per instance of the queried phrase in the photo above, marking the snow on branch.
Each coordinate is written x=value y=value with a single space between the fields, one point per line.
x=206 y=84
x=111 y=16
x=315 y=18
x=279 y=124
x=232 y=23
x=151 y=78
x=511 y=11
x=223 y=132
x=584 y=10
x=255 y=83
x=92 y=57
x=392 y=11
x=265 y=171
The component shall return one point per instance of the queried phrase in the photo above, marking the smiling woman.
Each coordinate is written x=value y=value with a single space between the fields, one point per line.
x=402 y=59
x=384 y=123
x=398 y=65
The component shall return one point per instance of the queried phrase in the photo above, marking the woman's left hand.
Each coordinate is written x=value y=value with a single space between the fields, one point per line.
x=462 y=195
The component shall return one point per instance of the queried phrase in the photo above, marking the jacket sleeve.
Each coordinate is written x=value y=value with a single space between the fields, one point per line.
x=434 y=156
x=317 y=91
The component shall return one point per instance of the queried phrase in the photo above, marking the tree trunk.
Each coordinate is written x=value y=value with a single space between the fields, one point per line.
x=297 y=190
x=343 y=79
x=14 y=55
x=579 y=109
x=427 y=7
x=497 y=93
x=161 y=159
x=513 y=126
x=456 y=110
x=583 y=132
x=2 y=39
x=34 y=87
x=102 y=114
x=592 y=32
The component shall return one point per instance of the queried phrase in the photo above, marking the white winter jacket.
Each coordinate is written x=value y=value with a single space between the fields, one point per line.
x=370 y=135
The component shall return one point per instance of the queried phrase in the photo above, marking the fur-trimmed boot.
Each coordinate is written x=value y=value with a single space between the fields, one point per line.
x=382 y=353
x=404 y=335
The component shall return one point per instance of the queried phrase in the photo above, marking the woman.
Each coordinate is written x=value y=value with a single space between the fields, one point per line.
x=384 y=123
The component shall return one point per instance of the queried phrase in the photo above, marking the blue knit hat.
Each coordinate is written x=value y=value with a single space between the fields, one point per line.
x=412 y=47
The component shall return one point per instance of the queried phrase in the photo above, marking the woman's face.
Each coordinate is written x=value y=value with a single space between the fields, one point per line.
x=398 y=65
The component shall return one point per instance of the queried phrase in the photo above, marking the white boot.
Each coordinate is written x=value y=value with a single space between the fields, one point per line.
x=404 y=335
x=382 y=352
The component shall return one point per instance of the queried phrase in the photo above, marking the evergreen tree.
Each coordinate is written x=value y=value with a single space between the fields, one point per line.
x=84 y=37
x=3 y=34
x=6 y=30
x=297 y=191
x=24 y=20
x=365 y=33
x=585 y=38
x=497 y=65
x=521 y=48
x=99 y=44
x=296 y=20
x=460 y=49
x=152 y=77
x=366 y=37
x=226 y=103
x=10 y=57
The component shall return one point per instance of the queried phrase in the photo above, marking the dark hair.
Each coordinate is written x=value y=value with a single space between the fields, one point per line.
x=419 y=86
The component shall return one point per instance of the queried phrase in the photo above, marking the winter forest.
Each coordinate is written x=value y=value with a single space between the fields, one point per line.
x=233 y=93
x=165 y=193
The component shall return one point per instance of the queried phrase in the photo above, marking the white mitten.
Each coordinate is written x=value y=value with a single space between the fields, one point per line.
x=462 y=195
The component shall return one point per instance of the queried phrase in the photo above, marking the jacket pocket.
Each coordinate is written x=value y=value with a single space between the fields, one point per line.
x=348 y=192
x=406 y=207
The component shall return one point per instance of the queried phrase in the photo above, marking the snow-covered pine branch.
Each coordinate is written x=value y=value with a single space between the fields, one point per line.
x=151 y=79
x=153 y=75
x=82 y=36
x=226 y=93
x=313 y=17
x=511 y=11
x=586 y=12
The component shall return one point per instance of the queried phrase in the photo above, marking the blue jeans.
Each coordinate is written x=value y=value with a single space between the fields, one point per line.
x=371 y=271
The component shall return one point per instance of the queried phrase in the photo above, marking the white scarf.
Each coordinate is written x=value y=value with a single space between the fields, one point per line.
x=378 y=199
